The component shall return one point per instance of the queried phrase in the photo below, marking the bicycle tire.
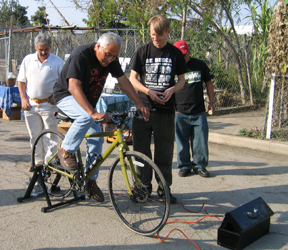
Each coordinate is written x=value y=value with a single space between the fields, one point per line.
x=58 y=185
x=141 y=212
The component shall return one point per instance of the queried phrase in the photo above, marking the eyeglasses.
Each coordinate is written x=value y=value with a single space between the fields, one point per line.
x=109 y=56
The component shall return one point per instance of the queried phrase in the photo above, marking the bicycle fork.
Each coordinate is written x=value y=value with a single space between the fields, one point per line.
x=124 y=166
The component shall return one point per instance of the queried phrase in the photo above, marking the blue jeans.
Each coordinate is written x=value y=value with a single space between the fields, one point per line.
x=83 y=123
x=192 y=131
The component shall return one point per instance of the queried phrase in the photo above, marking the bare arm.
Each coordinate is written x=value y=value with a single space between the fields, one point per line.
x=24 y=100
x=170 y=91
x=77 y=92
x=140 y=87
x=154 y=94
x=210 y=92
x=128 y=89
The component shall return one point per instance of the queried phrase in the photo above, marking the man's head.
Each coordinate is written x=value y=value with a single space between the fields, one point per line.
x=159 y=30
x=43 y=46
x=183 y=46
x=107 y=48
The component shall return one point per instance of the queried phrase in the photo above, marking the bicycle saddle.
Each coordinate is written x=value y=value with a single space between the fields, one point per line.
x=60 y=115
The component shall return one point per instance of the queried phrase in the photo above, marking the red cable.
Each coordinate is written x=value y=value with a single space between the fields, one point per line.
x=178 y=221
x=179 y=231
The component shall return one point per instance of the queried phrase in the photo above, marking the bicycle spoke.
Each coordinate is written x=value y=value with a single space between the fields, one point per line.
x=142 y=211
x=45 y=151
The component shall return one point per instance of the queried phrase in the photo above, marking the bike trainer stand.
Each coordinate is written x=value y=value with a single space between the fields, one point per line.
x=38 y=176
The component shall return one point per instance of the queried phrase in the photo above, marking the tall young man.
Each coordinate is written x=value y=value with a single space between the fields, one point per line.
x=157 y=63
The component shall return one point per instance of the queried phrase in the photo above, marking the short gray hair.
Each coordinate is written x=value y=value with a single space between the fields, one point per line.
x=43 y=38
x=108 y=38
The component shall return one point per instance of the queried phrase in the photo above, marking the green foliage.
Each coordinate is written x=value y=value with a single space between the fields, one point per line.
x=259 y=95
x=104 y=14
x=277 y=59
x=39 y=18
x=9 y=8
x=253 y=133
x=256 y=133
x=281 y=135
x=261 y=22
x=286 y=2
x=137 y=13
x=225 y=78
x=121 y=13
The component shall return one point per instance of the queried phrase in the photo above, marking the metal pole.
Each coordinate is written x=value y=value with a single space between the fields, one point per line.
x=8 y=55
x=9 y=46
x=271 y=102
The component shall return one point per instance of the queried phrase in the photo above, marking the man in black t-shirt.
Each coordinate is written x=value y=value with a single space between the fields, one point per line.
x=77 y=91
x=157 y=63
x=190 y=121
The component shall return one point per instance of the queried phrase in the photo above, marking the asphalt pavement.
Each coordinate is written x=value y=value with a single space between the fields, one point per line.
x=242 y=169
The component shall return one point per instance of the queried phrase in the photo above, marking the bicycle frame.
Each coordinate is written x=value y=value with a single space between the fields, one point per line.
x=122 y=147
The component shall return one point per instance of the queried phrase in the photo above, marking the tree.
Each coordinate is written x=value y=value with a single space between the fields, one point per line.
x=220 y=15
x=100 y=13
x=277 y=60
x=120 y=13
x=137 y=13
x=259 y=41
x=11 y=8
x=39 y=18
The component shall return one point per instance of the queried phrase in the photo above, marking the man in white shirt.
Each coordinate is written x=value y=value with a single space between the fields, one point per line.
x=37 y=75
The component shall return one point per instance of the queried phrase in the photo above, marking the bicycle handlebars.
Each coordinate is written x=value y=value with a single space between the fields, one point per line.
x=117 y=118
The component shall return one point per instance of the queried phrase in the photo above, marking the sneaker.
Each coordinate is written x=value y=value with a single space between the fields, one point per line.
x=183 y=172
x=173 y=199
x=95 y=191
x=203 y=173
x=67 y=160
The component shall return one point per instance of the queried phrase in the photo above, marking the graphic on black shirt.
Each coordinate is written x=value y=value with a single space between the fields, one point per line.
x=158 y=73
x=157 y=69
x=189 y=99
x=96 y=84
x=193 y=76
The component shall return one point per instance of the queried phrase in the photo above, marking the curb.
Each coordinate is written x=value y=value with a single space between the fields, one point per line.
x=244 y=142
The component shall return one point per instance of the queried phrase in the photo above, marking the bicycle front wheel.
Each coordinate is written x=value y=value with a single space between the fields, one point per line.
x=142 y=211
x=45 y=152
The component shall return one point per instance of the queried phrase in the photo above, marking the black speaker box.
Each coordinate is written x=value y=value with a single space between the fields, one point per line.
x=245 y=224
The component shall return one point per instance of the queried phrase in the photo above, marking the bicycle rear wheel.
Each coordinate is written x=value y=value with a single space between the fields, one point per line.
x=45 y=152
x=142 y=211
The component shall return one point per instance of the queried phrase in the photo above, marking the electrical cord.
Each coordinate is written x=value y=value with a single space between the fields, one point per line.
x=189 y=222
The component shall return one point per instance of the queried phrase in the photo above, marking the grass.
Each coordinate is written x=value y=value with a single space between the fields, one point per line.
x=281 y=135
x=253 y=133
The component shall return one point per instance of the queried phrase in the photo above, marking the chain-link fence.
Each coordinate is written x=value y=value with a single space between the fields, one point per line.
x=276 y=118
x=228 y=95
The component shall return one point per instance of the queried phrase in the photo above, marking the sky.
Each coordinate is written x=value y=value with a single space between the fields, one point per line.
x=67 y=9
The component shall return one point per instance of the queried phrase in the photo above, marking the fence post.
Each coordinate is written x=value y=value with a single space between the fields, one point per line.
x=271 y=103
x=9 y=53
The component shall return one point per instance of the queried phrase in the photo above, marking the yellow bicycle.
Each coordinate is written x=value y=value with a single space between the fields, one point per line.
x=140 y=209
